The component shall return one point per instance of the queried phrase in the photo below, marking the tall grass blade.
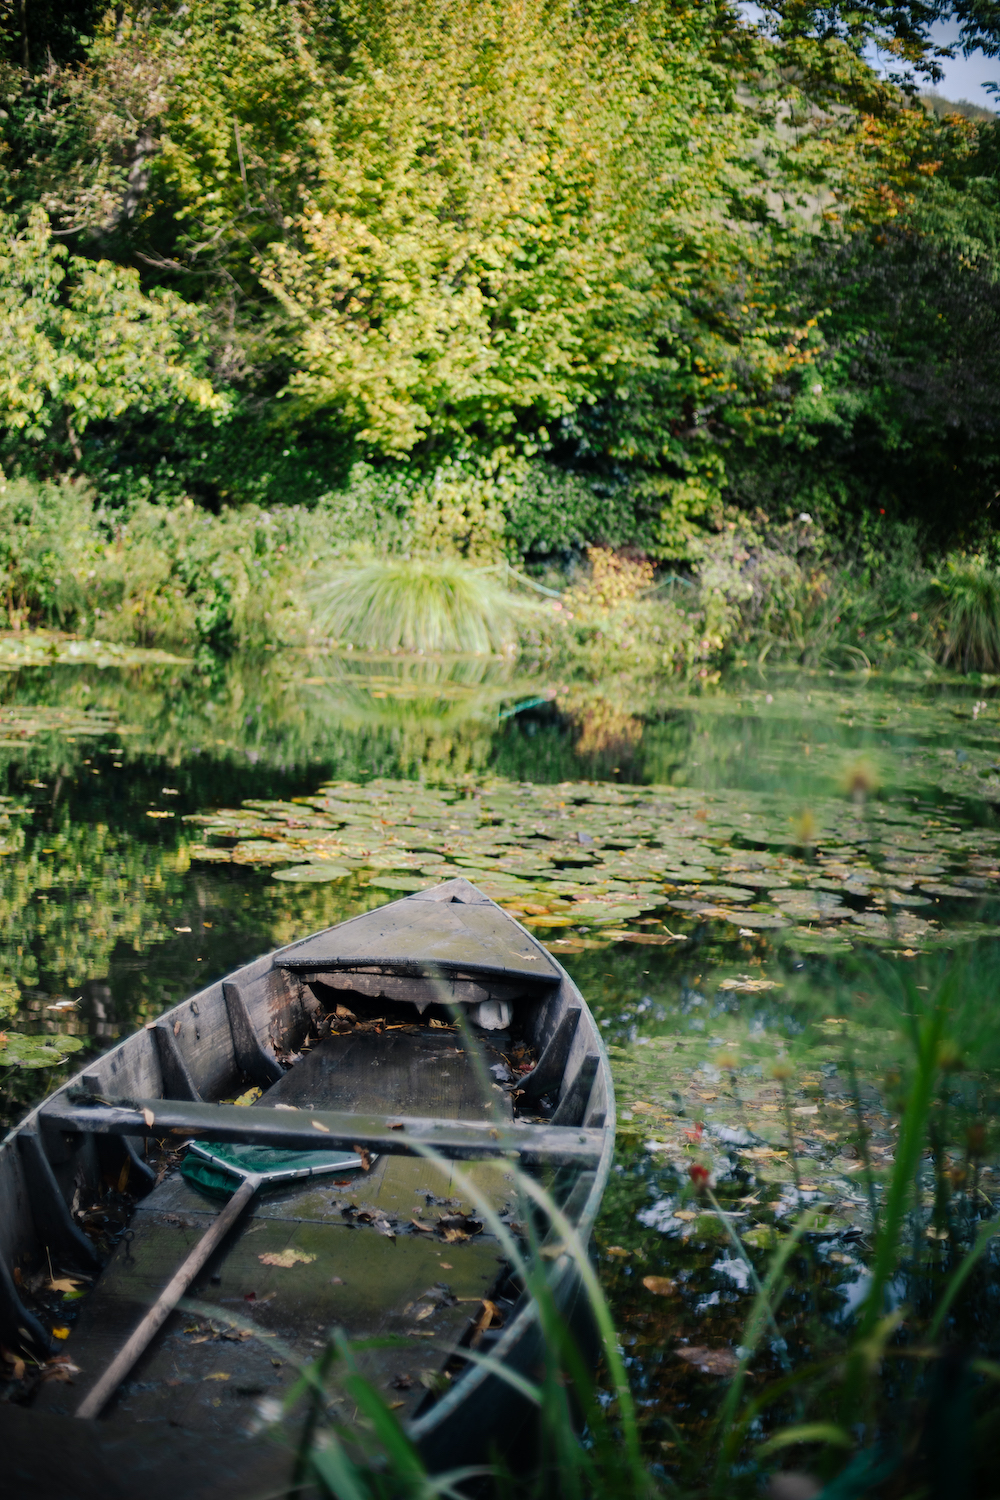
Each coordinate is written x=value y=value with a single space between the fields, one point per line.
x=960 y=1276
x=730 y=1432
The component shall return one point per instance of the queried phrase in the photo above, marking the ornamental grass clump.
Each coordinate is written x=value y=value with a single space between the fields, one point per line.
x=971 y=620
x=422 y=605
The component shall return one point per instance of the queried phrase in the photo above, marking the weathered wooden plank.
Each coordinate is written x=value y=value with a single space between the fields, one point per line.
x=426 y=1074
x=53 y=1220
x=574 y=1101
x=412 y=936
x=254 y=1059
x=177 y=1080
x=308 y=1130
x=548 y=1072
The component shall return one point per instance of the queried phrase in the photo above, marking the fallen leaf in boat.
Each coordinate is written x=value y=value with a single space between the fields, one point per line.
x=149 y=1118
x=617 y=1250
x=343 y=1014
x=402 y=1383
x=710 y=1361
x=685 y=1214
x=60 y=1331
x=440 y=1025
x=461 y=1224
x=395 y=1124
x=377 y=1220
x=365 y=1155
x=424 y=1228
x=285 y=1258
x=489 y=1315
x=395 y=1405
x=318 y=1125
x=423 y=1312
x=660 y=1286
x=250 y=1097
x=291 y=1108
x=63 y=1284
x=216 y=1375
x=60 y=1368
x=446 y=1265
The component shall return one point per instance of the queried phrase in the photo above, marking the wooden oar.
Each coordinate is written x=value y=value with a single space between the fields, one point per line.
x=94 y=1403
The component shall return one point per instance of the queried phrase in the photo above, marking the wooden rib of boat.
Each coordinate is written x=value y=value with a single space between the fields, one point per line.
x=351 y=1037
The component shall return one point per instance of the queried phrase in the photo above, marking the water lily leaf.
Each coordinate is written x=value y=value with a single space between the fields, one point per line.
x=311 y=874
x=953 y=892
x=550 y=921
x=759 y=921
x=48 y=1051
x=726 y=893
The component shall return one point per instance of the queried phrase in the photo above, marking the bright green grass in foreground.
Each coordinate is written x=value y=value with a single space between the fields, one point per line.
x=889 y=1400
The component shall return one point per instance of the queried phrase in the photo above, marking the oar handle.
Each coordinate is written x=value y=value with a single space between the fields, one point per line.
x=94 y=1403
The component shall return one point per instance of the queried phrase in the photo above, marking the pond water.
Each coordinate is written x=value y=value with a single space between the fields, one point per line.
x=752 y=886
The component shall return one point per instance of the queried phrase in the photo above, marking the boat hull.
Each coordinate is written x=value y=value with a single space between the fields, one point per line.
x=451 y=950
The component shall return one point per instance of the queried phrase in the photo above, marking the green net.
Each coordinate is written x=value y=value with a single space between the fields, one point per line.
x=219 y=1168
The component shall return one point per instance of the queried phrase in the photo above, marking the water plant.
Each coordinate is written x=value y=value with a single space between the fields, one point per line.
x=970 y=590
x=440 y=605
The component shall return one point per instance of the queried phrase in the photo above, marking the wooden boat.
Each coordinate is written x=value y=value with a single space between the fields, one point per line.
x=351 y=1036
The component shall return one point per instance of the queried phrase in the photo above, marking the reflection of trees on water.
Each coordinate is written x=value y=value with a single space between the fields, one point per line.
x=350 y=715
x=125 y=928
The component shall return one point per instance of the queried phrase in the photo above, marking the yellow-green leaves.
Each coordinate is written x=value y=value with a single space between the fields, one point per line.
x=81 y=342
x=506 y=207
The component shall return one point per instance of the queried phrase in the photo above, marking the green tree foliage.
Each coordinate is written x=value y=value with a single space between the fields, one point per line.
x=80 y=341
x=686 y=257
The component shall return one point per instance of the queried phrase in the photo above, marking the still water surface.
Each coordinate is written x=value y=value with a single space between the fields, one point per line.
x=736 y=882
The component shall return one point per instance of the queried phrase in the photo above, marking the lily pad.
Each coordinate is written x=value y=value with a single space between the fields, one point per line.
x=17 y=1051
x=759 y=921
x=953 y=892
x=726 y=893
x=311 y=874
